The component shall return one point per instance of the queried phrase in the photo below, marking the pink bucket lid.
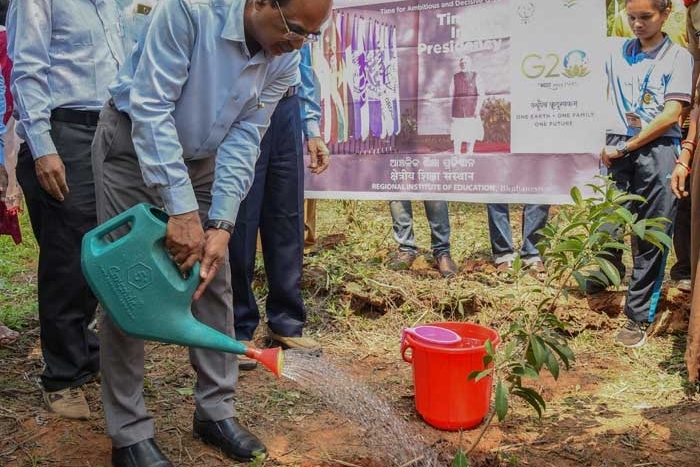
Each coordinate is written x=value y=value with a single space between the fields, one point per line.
x=435 y=335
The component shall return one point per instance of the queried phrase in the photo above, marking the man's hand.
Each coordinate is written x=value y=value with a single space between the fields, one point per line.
x=214 y=257
x=678 y=180
x=51 y=174
x=319 y=156
x=184 y=239
x=3 y=183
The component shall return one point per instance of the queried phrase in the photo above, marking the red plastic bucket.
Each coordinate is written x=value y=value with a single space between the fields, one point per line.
x=445 y=397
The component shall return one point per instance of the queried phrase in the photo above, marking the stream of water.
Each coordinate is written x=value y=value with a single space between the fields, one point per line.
x=389 y=435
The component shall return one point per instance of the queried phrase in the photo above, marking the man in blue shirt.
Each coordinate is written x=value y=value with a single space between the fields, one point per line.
x=183 y=130
x=65 y=55
x=274 y=204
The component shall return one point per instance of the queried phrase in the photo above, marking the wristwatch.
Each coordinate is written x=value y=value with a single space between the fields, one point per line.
x=218 y=224
x=622 y=148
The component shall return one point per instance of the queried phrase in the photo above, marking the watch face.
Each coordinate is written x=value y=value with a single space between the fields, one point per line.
x=621 y=146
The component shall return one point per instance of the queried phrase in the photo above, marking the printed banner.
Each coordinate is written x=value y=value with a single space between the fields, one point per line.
x=471 y=100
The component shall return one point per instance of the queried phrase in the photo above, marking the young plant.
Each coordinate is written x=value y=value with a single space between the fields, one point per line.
x=576 y=244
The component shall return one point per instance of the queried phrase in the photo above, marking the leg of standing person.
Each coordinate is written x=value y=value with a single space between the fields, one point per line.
x=128 y=424
x=243 y=247
x=680 y=271
x=652 y=168
x=309 y=224
x=534 y=219
x=282 y=229
x=66 y=303
x=438 y=216
x=402 y=227
x=500 y=235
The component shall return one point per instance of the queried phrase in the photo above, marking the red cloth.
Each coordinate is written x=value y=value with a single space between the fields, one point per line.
x=6 y=66
x=9 y=223
x=689 y=2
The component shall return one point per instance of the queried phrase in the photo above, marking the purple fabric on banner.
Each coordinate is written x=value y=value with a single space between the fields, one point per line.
x=349 y=103
x=374 y=81
x=359 y=82
x=393 y=75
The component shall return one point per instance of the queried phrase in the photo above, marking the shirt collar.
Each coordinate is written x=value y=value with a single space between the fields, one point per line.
x=234 y=29
x=634 y=47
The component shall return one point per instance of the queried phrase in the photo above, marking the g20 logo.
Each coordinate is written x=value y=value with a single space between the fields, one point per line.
x=573 y=65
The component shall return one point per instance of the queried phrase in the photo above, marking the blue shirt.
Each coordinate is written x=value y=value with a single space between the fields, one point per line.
x=193 y=91
x=65 y=54
x=134 y=14
x=309 y=95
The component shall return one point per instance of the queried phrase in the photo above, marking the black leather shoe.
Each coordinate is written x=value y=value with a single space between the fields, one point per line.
x=142 y=454
x=231 y=437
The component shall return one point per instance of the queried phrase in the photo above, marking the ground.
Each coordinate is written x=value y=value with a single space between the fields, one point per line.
x=614 y=407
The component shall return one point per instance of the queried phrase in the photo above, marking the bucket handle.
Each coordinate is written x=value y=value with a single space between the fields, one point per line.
x=408 y=358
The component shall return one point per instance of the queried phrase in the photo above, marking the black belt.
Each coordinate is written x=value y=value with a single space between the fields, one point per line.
x=291 y=91
x=80 y=117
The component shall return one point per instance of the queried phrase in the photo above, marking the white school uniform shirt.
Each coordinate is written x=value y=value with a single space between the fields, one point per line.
x=642 y=82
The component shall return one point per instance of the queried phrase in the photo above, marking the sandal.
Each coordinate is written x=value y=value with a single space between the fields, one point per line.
x=7 y=335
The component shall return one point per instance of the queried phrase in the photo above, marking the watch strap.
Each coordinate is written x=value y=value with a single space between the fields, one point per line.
x=219 y=224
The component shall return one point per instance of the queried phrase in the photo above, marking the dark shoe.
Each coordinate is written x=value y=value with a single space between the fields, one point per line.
x=446 y=266
x=634 y=334
x=231 y=437
x=402 y=261
x=246 y=363
x=594 y=287
x=142 y=454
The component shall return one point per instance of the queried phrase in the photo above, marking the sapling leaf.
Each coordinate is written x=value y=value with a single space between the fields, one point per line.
x=460 y=459
x=501 y=400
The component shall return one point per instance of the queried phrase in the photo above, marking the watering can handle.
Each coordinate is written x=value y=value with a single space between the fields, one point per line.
x=154 y=214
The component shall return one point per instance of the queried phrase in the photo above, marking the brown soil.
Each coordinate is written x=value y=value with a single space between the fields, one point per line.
x=594 y=416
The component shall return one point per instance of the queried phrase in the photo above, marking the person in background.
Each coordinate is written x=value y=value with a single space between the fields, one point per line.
x=534 y=218
x=274 y=205
x=679 y=184
x=674 y=27
x=402 y=226
x=7 y=335
x=64 y=55
x=182 y=130
x=649 y=84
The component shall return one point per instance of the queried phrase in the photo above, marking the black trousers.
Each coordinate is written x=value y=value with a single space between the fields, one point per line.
x=646 y=172
x=681 y=269
x=66 y=303
x=275 y=204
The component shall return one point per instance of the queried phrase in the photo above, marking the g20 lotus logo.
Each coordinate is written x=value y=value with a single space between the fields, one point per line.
x=573 y=65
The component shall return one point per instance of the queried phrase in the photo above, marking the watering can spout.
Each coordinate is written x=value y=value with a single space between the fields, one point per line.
x=144 y=293
x=272 y=359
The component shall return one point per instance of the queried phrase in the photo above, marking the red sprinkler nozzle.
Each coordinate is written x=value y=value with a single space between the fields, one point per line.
x=272 y=359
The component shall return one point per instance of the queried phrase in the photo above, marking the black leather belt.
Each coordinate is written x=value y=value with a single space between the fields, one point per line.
x=291 y=91
x=79 y=117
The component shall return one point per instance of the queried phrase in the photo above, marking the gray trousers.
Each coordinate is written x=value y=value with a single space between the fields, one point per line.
x=118 y=186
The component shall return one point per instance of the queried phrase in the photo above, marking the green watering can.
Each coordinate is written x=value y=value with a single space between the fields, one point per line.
x=143 y=291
